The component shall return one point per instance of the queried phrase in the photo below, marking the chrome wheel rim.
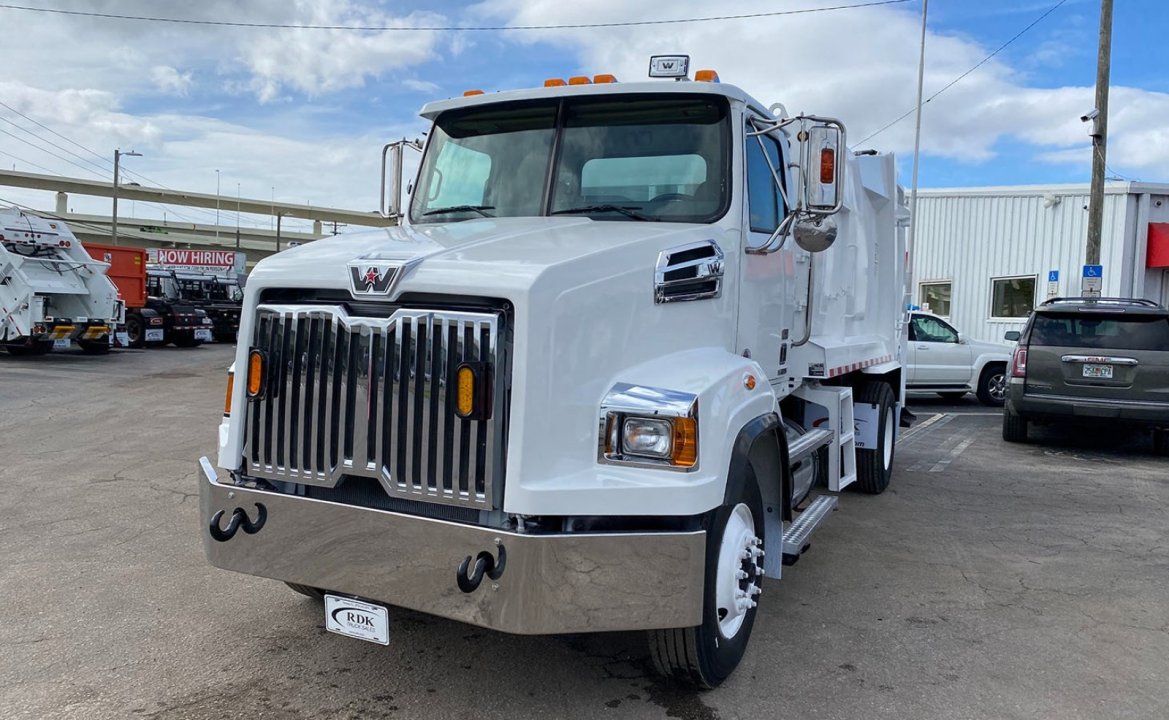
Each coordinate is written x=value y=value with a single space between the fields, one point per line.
x=996 y=386
x=740 y=571
x=889 y=433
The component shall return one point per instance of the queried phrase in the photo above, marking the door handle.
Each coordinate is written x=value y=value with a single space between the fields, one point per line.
x=923 y=347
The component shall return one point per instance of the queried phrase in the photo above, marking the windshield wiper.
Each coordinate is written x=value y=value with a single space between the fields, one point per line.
x=481 y=209
x=630 y=211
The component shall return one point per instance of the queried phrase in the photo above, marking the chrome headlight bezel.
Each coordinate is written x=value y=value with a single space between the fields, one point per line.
x=651 y=406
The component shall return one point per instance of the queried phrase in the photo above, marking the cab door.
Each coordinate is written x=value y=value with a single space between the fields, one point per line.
x=772 y=286
x=937 y=354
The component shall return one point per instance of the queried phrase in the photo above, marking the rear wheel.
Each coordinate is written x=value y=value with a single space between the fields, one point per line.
x=185 y=340
x=134 y=331
x=95 y=347
x=1014 y=427
x=992 y=385
x=36 y=347
x=707 y=654
x=874 y=468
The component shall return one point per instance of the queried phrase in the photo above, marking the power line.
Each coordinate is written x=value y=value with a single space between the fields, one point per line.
x=449 y=28
x=958 y=79
x=101 y=169
x=26 y=162
x=50 y=152
x=66 y=139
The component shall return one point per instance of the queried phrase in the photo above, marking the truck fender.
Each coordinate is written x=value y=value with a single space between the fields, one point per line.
x=762 y=445
x=144 y=312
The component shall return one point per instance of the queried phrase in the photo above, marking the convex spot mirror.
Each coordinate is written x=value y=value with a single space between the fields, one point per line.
x=823 y=169
x=815 y=233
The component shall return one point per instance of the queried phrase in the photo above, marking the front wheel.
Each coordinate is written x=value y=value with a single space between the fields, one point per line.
x=707 y=654
x=992 y=385
x=874 y=468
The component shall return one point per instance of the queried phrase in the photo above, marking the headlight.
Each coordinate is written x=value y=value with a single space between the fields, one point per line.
x=649 y=438
x=649 y=427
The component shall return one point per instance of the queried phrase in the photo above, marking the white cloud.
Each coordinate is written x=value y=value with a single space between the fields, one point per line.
x=170 y=81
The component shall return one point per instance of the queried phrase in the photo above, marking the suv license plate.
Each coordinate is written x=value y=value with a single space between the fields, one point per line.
x=1104 y=372
x=203 y=334
x=357 y=619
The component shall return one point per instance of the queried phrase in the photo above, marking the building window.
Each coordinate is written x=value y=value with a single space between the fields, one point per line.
x=1013 y=297
x=935 y=297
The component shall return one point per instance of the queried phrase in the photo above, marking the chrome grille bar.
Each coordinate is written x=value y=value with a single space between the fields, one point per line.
x=373 y=397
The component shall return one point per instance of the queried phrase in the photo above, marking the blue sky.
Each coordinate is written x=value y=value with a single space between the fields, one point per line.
x=302 y=114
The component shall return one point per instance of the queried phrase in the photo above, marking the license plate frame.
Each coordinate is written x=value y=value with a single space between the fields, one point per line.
x=203 y=334
x=357 y=619
x=1097 y=371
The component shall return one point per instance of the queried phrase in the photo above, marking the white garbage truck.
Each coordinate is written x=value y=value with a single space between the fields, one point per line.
x=610 y=372
x=51 y=290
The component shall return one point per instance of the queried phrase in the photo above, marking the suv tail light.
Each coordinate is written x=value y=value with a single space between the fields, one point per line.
x=1019 y=362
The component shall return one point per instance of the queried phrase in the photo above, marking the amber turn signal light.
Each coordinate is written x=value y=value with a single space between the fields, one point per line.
x=256 y=363
x=684 y=451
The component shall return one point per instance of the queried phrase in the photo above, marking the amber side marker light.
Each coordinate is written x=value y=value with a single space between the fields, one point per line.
x=827 y=165
x=227 y=398
x=684 y=452
x=256 y=362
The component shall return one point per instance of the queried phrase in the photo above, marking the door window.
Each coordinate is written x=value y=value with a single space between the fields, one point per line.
x=763 y=198
x=930 y=329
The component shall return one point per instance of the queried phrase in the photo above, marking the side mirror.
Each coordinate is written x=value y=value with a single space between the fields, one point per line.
x=392 y=207
x=823 y=169
x=815 y=233
x=1012 y=336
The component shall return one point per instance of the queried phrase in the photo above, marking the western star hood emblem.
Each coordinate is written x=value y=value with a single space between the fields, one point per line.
x=371 y=279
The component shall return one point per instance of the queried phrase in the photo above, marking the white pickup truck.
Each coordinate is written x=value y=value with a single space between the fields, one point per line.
x=941 y=360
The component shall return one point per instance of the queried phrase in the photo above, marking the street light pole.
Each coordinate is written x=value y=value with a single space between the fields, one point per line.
x=216 y=207
x=118 y=154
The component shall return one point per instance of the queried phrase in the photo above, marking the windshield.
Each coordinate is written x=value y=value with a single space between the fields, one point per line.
x=1102 y=332
x=635 y=158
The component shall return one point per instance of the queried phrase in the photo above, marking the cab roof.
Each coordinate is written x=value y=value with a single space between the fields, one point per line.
x=652 y=87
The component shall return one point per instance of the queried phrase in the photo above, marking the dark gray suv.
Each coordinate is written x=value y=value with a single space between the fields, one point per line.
x=1081 y=359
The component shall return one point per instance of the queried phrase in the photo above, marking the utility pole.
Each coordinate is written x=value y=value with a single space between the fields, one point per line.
x=237 y=216
x=909 y=288
x=118 y=154
x=1099 y=135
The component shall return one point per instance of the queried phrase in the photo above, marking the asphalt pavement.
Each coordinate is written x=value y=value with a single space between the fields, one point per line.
x=990 y=581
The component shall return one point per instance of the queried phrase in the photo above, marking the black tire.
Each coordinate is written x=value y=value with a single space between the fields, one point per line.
x=38 y=347
x=185 y=339
x=992 y=385
x=953 y=395
x=94 y=347
x=135 y=332
x=873 y=469
x=702 y=655
x=307 y=591
x=1161 y=441
x=1014 y=427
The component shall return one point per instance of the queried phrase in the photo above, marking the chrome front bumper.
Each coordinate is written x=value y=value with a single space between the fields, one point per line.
x=562 y=583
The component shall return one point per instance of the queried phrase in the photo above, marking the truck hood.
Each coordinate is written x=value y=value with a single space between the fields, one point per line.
x=491 y=256
x=982 y=347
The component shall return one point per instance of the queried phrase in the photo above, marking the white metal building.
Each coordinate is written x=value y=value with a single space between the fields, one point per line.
x=984 y=257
